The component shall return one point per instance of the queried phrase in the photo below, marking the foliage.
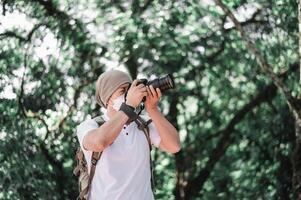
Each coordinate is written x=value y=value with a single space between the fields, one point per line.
x=236 y=131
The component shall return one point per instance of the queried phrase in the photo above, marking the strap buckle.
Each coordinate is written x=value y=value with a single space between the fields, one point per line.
x=94 y=161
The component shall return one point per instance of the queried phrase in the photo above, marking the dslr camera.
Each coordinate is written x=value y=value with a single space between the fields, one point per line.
x=163 y=83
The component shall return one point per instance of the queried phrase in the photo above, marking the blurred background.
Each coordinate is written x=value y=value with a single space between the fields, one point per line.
x=236 y=130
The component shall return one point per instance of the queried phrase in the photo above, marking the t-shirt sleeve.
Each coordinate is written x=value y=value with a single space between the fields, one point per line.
x=154 y=135
x=81 y=131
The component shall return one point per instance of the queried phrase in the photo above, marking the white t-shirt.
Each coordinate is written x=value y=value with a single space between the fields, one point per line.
x=123 y=171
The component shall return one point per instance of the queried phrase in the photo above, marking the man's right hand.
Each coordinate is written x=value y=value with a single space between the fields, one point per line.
x=135 y=94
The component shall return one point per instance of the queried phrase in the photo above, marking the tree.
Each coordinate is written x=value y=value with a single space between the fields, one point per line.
x=235 y=65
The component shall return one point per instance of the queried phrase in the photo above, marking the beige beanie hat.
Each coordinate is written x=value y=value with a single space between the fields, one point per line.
x=107 y=83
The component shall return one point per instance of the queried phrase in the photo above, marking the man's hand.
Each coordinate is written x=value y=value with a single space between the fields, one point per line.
x=135 y=94
x=152 y=99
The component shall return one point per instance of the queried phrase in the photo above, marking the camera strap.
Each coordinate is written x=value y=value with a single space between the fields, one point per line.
x=143 y=125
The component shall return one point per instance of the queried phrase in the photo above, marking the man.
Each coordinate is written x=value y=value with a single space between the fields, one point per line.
x=123 y=171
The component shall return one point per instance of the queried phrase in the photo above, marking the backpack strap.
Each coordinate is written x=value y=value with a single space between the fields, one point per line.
x=94 y=159
x=99 y=120
x=79 y=157
x=142 y=125
x=95 y=155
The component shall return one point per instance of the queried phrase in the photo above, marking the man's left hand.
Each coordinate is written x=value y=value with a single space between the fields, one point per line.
x=152 y=98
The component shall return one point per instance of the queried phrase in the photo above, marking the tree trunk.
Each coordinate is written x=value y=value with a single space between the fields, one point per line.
x=296 y=159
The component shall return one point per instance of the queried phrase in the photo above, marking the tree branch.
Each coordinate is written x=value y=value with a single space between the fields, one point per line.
x=267 y=94
x=12 y=34
x=54 y=162
x=74 y=104
x=251 y=20
x=299 y=26
x=292 y=102
x=118 y=5
x=51 y=8
x=4 y=7
x=146 y=4
x=19 y=37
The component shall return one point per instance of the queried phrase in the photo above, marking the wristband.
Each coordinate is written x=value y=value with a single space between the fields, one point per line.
x=129 y=111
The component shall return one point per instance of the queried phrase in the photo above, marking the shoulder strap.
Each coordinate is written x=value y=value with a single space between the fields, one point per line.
x=142 y=125
x=95 y=155
x=94 y=159
x=99 y=120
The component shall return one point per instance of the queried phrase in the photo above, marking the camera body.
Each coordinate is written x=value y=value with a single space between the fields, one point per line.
x=163 y=83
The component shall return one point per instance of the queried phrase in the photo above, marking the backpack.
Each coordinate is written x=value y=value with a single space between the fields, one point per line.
x=81 y=169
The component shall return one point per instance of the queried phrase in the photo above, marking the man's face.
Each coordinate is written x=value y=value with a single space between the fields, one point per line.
x=120 y=91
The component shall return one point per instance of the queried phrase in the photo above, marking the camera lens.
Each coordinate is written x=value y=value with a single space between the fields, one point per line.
x=163 y=83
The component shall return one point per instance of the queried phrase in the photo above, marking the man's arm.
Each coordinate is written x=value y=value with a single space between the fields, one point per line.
x=98 y=139
x=170 y=140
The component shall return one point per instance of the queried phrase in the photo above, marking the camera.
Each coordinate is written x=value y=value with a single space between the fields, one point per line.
x=163 y=83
